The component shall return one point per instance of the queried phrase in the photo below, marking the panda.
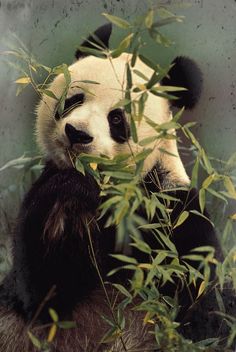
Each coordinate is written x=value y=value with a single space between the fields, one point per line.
x=52 y=262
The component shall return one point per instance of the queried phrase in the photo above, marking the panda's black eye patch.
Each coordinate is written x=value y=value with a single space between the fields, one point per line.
x=70 y=104
x=119 y=128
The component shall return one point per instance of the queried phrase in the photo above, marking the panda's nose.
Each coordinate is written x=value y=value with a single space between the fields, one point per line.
x=77 y=136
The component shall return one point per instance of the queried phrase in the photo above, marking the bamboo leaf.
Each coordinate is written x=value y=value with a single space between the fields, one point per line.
x=123 y=290
x=34 y=340
x=124 y=44
x=208 y=181
x=66 y=324
x=53 y=315
x=48 y=93
x=52 y=333
x=229 y=186
x=23 y=80
x=124 y=258
x=202 y=199
x=201 y=289
x=194 y=177
x=133 y=130
x=183 y=216
x=149 y=19
x=120 y=22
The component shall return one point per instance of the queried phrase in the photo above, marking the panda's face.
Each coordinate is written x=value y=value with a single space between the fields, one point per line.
x=90 y=122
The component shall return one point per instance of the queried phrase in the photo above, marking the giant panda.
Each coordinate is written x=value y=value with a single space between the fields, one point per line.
x=52 y=263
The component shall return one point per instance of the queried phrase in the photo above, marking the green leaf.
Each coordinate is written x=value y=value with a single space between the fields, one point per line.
x=164 y=13
x=134 y=56
x=124 y=258
x=149 y=19
x=168 y=126
x=155 y=91
x=148 y=62
x=159 y=38
x=141 y=105
x=183 y=216
x=120 y=22
x=164 y=151
x=124 y=44
x=88 y=81
x=229 y=186
x=66 y=324
x=34 y=340
x=119 y=174
x=133 y=130
x=202 y=215
x=194 y=177
x=153 y=80
x=123 y=290
x=129 y=76
x=66 y=74
x=167 y=242
x=208 y=181
x=168 y=20
x=202 y=199
x=53 y=315
x=140 y=74
x=121 y=211
x=79 y=166
x=48 y=93
x=23 y=80
x=170 y=89
x=142 y=155
x=160 y=257
x=92 y=51
x=207 y=162
x=178 y=115
x=216 y=194
x=141 y=245
x=148 y=140
x=52 y=333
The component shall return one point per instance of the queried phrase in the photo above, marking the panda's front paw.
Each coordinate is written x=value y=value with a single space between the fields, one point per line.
x=84 y=188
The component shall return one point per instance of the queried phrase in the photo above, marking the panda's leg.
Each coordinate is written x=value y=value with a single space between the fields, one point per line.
x=51 y=245
x=168 y=163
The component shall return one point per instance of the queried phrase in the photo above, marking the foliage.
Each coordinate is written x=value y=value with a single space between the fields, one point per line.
x=119 y=180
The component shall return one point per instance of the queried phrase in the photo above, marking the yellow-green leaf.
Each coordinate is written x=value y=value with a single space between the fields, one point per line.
x=201 y=289
x=52 y=333
x=233 y=216
x=208 y=181
x=149 y=19
x=183 y=216
x=34 y=340
x=120 y=22
x=202 y=199
x=23 y=80
x=230 y=187
x=53 y=315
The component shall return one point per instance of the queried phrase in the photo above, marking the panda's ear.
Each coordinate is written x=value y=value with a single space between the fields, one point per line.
x=184 y=73
x=99 y=38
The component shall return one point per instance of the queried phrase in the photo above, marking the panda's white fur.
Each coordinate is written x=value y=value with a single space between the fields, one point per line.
x=93 y=115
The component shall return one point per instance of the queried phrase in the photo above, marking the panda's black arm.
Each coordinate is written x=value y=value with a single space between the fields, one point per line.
x=51 y=241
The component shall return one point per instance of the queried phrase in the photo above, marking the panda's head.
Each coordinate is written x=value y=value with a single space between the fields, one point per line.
x=92 y=124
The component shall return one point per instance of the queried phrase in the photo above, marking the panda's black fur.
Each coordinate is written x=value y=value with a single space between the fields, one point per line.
x=52 y=265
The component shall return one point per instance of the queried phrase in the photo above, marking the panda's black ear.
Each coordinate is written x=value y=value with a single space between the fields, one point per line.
x=184 y=73
x=100 y=37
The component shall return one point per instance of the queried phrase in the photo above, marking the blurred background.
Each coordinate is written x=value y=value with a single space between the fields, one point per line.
x=53 y=29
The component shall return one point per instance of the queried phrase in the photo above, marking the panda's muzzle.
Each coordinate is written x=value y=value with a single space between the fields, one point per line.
x=77 y=136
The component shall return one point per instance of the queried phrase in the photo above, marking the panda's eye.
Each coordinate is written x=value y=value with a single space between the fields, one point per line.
x=70 y=104
x=116 y=117
x=119 y=128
